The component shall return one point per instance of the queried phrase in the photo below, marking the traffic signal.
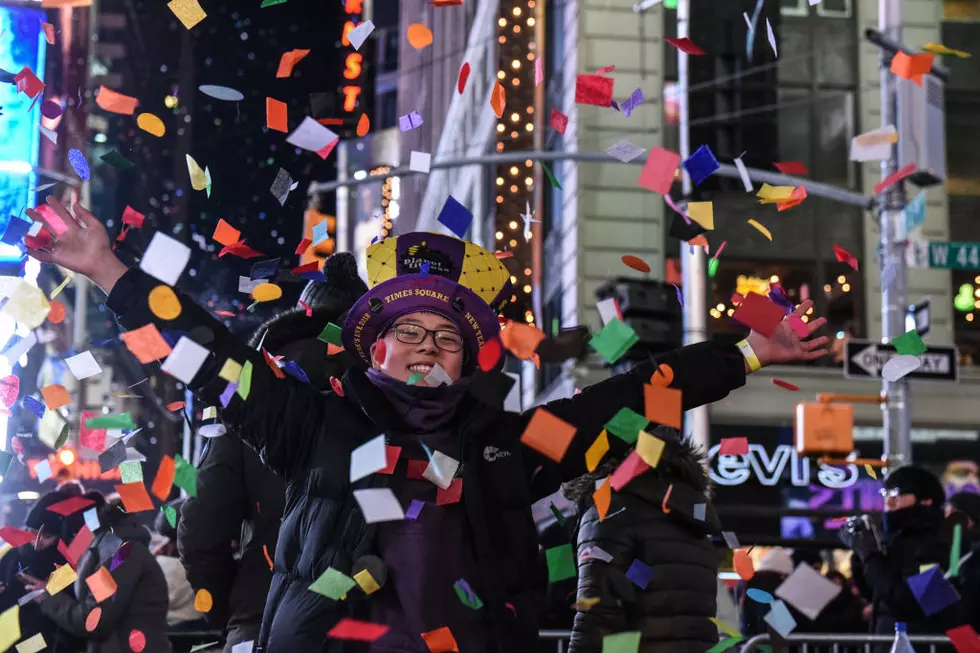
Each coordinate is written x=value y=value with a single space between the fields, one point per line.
x=321 y=230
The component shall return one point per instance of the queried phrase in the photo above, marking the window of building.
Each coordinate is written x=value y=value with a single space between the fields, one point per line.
x=387 y=111
x=965 y=10
x=551 y=325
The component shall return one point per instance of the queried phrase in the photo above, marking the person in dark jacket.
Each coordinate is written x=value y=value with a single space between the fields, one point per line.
x=432 y=307
x=774 y=567
x=136 y=612
x=662 y=529
x=238 y=497
x=968 y=580
x=911 y=538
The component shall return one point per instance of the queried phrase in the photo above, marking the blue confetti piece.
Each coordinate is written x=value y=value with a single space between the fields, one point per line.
x=424 y=270
x=35 y=406
x=171 y=337
x=759 y=596
x=313 y=276
x=228 y=394
x=16 y=230
x=293 y=369
x=79 y=164
x=641 y=574
x=750 y=35
x=414 y=509
x=455 y=217
x=701 y=165
x=680 y=295
x=699 y=511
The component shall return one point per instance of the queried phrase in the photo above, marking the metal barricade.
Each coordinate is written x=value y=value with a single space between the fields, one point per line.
x=835 y=642
x=560 y=637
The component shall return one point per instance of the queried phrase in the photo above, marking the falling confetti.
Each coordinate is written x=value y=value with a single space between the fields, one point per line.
x=79 y=164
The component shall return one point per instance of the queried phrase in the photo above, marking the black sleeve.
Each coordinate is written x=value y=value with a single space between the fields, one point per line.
x=278 y=416
x=888 y=586
x=704 y=373
x=210 y=521
x=597 y=580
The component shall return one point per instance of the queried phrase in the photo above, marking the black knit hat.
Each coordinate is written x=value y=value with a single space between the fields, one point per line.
x=40 y=515
x=919 y=481
x=342 y=288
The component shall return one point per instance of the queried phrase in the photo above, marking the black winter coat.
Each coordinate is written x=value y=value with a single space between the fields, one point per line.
x=140 y=603
x=674 y=611
x=240 y=499
x=308 y=437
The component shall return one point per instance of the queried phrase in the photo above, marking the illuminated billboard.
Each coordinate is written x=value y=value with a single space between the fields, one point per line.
x=22 y=43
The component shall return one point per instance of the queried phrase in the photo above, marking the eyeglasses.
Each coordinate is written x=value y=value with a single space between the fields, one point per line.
x=413 y=334
x=892 y=493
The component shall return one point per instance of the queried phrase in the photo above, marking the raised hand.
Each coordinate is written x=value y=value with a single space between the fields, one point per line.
x=785 y=346
x=79 y=243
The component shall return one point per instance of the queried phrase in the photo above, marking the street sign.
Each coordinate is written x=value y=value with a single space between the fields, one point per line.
x=865 y=359
x=944 y=256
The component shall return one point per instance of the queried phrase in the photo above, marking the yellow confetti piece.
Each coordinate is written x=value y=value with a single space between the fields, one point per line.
x=61 y=578
x=230 y=371
x=925 y=568
x=762 y=230
x=703 y=213
x=189 y=12
x=61 y=286
x=939 y=48
x=151 y=124
x=199 y=180
x=366 y=581
x=9 y=627
x=203 y=602
x=266 y=292
x=585 y=603
x=164 y=303
x=650 y=448
x=596 y=451
x=210 y=412
x=871 y=471
x=121 y=396
x=772 y=194
x=725 y=627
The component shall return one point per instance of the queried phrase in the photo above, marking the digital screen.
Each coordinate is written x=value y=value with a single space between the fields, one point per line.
x=22 y=43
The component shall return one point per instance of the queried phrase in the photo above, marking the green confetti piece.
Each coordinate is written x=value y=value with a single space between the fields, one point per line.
x=713 y=268
x=614 y=340
x=171 y=514
x=271 y=3
x=621 y=643
x=561 y=563
x=185 y=475
x=414 y=379
x=131 y=471
x=670 y=4
x=117 y=160
x=725 y=644
x=626 y=425
x=120 y=421
x=245 y=380
x=333 y=584
x=466 y=595
x=558 y=516
x=62 y=437
x=909 y=344
x=331 y=334
x=201 y=647
x=955 y=550
x=551 y=177
x=207 y=189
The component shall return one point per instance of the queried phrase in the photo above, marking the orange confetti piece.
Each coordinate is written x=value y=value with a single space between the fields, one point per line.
x=134 y=497
x=603 y=499
x=419 y=36
x=276 y=118
x=498 y=100
x=441 y=640
x=146 y=343
x=663 y=405
x=521 y=339
x=663 y=506
x=48 y=32
x=265 y=550
x=113 y=102
x=176 y=405
x=912 y=67
x=288 y=61
x=225 y=313
x=151 y=124
x=548 y=434
x=55 y=396
x=226 y=234
x=663 y=376
x=101 y=584
x=636 y=263
x=203 y=601
x=57 y=313
x=743 y=565
x=363 y=125
x=93 y=618
x=164 y=480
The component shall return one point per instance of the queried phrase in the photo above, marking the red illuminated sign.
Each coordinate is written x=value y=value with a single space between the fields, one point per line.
x=353 y=64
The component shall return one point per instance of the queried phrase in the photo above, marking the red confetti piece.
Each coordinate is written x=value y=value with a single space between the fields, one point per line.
x=894 y=178
x=176 y=405
x=225 y=313
x=137 y=641
x=503 y=255
x=792 y=168
x=239 y=249
x=306 y=307
x=9 y=389
x=268 y=558
x=636 y=263
x=845 y=256
x=312 y=266
x=336 y=385
x=559 y=121
x=464 y=74
x=489 y=355
x=605 y=69
x=93 y=618
x=785 y=385
x=685 y=45
x=303 y=246
x=362 y=631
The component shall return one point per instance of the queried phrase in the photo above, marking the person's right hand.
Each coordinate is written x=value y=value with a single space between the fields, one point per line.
x=82 y=246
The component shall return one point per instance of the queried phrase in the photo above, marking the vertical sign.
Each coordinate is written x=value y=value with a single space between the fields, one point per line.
x=354 y=62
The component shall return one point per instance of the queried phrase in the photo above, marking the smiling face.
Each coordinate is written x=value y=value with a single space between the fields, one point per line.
x=415 y=343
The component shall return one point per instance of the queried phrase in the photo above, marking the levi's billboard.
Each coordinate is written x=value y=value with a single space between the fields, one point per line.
x=768 y=466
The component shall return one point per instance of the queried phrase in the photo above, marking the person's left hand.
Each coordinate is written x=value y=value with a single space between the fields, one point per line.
x=32 y=584
x=785 y=346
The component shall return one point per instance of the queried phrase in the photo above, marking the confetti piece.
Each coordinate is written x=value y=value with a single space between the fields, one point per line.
x=489 y=354
x=845 y=256
x=151 y=124
x=454 y=216
x=548 y=434
x=203 y=602
x=137 y=641
x=440 y=640
x=622 y=642
x=79 y=164
x=871 y=472
x=938 y=48
x=361 y=631
x=92 y=619
x=597 y=450
x=28 y=83
x=419 y=36
x=464 y=74
x=558 y=121
x=221 y=93
x=198 y=178
x=658 y=171
x=276 y=115
x=743 y=565
x=190 y=13
x=685 y=45
x=359 y=34
x=551 y=177
x=594 y=90
x=561 y=563
x=163 y=303
x=363 y=125
x=498 y=100
x=10 y=388
x=114 y=102
x=662 y=405
x=288 y=61
x=51 y=110
x=650 y=447
x=636 y=263
x=785 y=385
x=146 y=343
x=701 y=165
x=703 y=213
x=164 y=479
x=61 y=578
x=894 y=178
x=759 y=313
x=761 y=229
x=912 y=67
x=663 y=376
x=55 y=396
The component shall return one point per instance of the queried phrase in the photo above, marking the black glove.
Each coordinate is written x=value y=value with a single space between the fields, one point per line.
x=859 y=538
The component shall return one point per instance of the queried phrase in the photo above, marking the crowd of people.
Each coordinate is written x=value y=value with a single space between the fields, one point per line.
x=436 y=545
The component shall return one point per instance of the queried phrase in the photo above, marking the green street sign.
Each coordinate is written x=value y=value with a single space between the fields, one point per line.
x=944 y=256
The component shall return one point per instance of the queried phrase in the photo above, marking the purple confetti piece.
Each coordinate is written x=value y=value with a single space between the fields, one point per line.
x=293 y=369
x=121 y=555
x=615 y=105
x=33 y=405
x=670 y=203
x=680 y=295
x=79 y=164
x=228 y=394
x=635 y=100
x=424 y=270
x=50 y=109
x=414 y=509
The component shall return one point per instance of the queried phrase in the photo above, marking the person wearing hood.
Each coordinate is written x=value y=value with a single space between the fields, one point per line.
x=238 y=498
x=775 y=567
x=660 y=523
x=968 y=580
x=912 y=537
x=135 y=612
x=417 y=334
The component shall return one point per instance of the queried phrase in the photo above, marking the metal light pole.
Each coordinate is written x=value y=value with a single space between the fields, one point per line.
x=896 y=412
x=693 y=259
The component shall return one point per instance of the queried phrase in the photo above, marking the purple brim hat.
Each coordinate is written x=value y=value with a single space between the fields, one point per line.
x=424 y=272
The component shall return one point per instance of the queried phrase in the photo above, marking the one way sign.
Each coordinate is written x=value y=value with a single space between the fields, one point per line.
x=866 y=358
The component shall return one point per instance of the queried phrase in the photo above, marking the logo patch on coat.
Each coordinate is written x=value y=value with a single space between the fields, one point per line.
x=492 y=454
